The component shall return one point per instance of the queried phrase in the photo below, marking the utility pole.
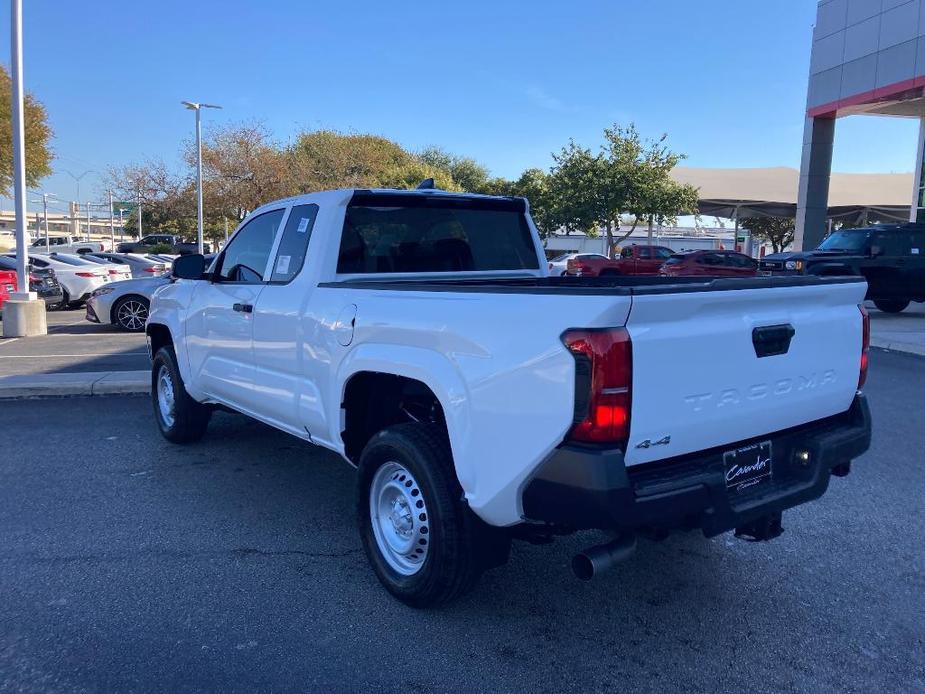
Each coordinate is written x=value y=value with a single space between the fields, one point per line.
x=121 y=225
x=139 y=213
x=112 y=222
x=45 y=212
x=88 y=222
x=226 y=231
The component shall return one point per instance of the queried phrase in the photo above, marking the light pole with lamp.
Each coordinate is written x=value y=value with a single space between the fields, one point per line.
x=193 y=106
x=23 y=313
x=77 y=178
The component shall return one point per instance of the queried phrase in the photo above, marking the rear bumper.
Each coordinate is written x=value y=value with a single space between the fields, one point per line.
x=583 y=488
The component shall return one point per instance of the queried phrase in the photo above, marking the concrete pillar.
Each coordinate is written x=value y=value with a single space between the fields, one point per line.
x=813 y=191
x=24 y=316
x=917 y=208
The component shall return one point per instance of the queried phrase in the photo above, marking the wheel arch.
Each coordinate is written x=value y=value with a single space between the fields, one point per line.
x=396 y=370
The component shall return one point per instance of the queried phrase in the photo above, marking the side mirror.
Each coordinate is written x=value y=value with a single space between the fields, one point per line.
x=189 y=267
x=875 y=251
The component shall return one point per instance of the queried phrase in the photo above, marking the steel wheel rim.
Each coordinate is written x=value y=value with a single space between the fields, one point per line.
x=398 y=513
x=132 y=315
x=165 y=396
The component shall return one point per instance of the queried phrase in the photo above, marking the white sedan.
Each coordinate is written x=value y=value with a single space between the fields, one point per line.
x=77 y=281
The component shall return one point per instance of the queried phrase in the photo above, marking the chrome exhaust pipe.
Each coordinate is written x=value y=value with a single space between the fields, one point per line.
x=594 y=560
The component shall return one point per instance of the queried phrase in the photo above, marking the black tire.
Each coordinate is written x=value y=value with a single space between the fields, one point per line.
x=891 y=305
x=187 y=419
x=130 y=313
x=458 y=542
x=65 y=300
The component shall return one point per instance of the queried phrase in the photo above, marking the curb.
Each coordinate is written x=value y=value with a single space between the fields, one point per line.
x=893 y=346
x=86 y=384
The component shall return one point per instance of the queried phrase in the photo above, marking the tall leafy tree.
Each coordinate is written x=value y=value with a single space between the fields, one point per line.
x=37 y=135
x=778 y=231
x=627 y=175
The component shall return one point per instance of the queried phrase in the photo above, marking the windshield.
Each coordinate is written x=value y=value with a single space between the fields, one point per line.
x=845 y=241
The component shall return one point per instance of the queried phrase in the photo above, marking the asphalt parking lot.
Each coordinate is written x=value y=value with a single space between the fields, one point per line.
x=73 y=345
x=234 y=564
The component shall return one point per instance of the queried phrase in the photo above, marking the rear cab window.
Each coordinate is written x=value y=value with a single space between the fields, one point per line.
x=406 y=233
x=293 y=246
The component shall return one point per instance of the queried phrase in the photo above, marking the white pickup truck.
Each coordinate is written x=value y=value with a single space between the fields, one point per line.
x=417 y=334
x=67 y=244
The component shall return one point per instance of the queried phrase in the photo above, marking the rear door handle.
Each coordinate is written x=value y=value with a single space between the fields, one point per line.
x=243 y=308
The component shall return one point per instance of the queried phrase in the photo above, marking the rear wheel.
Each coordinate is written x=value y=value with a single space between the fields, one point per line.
x=423 y=542
x=131 y=313
x=891 y=306
x=179 y=418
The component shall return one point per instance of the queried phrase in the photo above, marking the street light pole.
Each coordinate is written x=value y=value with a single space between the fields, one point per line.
x=23 y=314
x=19 y=150
x=197 y=107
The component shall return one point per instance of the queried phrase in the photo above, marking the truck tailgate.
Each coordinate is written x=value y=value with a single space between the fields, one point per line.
x=699 y=383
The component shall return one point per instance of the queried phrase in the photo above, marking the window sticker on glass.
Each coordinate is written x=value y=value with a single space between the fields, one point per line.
x=282 y=264
x=303 y=225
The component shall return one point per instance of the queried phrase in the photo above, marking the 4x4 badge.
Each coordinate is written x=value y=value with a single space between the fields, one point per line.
x=648 y=443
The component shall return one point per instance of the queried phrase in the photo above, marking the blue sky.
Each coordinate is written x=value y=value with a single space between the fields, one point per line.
x=503 y=82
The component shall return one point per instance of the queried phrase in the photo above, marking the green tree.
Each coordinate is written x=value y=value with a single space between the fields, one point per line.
x=628 y=175
x=534 y=185
x=467 y=174
x=37 y=134
x=778 y=231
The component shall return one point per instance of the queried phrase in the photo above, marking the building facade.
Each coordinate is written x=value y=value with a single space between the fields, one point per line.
x=868 y=57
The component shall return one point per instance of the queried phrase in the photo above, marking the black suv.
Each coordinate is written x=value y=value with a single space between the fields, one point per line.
x=890 y=256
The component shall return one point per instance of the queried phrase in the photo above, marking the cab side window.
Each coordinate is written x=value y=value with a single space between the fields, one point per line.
x=245 y=258
x=626 y=253
x=892 y=244
x=294 y=244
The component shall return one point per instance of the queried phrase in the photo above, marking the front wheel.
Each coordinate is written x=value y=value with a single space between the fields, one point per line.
x=179 y=418
x=418 y=534
x=131 y=313
x=891 y=305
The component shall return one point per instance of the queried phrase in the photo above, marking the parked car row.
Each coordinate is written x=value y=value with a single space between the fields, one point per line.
x=66 y=280
x=639 y=260
x=125 y=304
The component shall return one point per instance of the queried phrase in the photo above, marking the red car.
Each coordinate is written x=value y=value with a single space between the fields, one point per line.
x=709 y=264
x=633 y=260
x=7 y=285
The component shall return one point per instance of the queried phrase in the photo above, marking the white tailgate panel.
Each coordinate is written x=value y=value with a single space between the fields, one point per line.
x=697 y=380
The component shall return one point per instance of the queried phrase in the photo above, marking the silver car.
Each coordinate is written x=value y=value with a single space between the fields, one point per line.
x=140 y=265
x=124 y=304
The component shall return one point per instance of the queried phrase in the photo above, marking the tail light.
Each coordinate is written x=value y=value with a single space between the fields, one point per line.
x=151 y=268
x=86 y=274
x=550 y=266
x=33 y=278
x=115 y=272
x=603 y=384
x=865 y=345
